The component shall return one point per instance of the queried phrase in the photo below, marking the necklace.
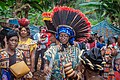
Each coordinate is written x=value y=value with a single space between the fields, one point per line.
x=65 y=57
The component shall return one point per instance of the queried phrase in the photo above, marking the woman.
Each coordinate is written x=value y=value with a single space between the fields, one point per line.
x=65 y=58
x=28 y=46
x=10 y=56
x=109 y=52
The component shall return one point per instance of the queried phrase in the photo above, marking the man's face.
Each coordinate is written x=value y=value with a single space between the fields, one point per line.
x=64 y=38
x=13 y=42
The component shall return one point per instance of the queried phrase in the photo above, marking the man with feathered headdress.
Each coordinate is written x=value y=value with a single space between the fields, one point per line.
x=70 y=25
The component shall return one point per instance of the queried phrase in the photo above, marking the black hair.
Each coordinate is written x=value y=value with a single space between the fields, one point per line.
x=95 y=34
x=27 y=29
x=2 y=42
x=109 y=41
x=115 y=38
x=11 y=33
x=99 y=37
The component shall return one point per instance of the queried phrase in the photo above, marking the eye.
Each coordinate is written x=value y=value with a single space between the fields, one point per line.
x=64 y=36
x=13 y=40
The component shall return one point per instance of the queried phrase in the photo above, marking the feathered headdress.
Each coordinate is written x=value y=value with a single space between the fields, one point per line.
x=47 y=19
x=73 y=21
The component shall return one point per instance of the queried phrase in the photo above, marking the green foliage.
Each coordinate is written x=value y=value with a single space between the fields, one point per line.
x=103 y=9
x=37 y=8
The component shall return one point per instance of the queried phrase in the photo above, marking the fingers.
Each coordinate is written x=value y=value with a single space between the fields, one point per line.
x=71 y=74
x=67 y=68
x=70 y=71
x=67 y=65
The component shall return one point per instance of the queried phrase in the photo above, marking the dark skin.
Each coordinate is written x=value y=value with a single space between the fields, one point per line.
x=24 y=36
x=64 y=38
x=12 y=44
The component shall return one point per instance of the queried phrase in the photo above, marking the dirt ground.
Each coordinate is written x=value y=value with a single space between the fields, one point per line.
x=38 y=75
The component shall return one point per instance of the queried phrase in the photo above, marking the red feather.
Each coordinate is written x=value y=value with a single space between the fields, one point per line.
x=64 y=15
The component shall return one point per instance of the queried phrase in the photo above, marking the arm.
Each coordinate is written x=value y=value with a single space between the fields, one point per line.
x=32 y=60
x=32 y=54
x=49 y=60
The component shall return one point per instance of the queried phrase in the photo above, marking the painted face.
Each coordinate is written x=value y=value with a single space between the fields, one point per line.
x=64 y=38
x=117 y=64
x=13 y=42
x=23 y=32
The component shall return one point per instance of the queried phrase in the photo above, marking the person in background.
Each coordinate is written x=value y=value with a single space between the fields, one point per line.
x=91 y=64
x=96 y=36
x=118 y=43
x=10 y=56
x=16 y=28
x=2 y=42
x=27 y=45
x=41 y=48
x=109 y=52
x=100 y=42
x=36 y=36
x=116 y=66
x=50 y=28
x=91 y=43
x=5 y=28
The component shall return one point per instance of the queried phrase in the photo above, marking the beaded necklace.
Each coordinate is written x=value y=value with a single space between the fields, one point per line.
x=66 y=56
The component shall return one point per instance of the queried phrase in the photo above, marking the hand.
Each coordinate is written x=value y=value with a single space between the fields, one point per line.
x=69 y=70
x=47 y=69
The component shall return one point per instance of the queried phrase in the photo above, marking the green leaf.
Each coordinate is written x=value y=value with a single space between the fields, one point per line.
x=2 y=4
x=90 y=4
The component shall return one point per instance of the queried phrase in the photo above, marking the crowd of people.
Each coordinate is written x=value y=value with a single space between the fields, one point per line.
x=67 y=47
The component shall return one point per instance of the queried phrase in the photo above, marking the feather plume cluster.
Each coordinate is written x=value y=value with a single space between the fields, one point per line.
x=47 y=19
x=73 y=18
x=46 y=16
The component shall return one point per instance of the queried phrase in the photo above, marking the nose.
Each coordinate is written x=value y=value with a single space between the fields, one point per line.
x=13 y=42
